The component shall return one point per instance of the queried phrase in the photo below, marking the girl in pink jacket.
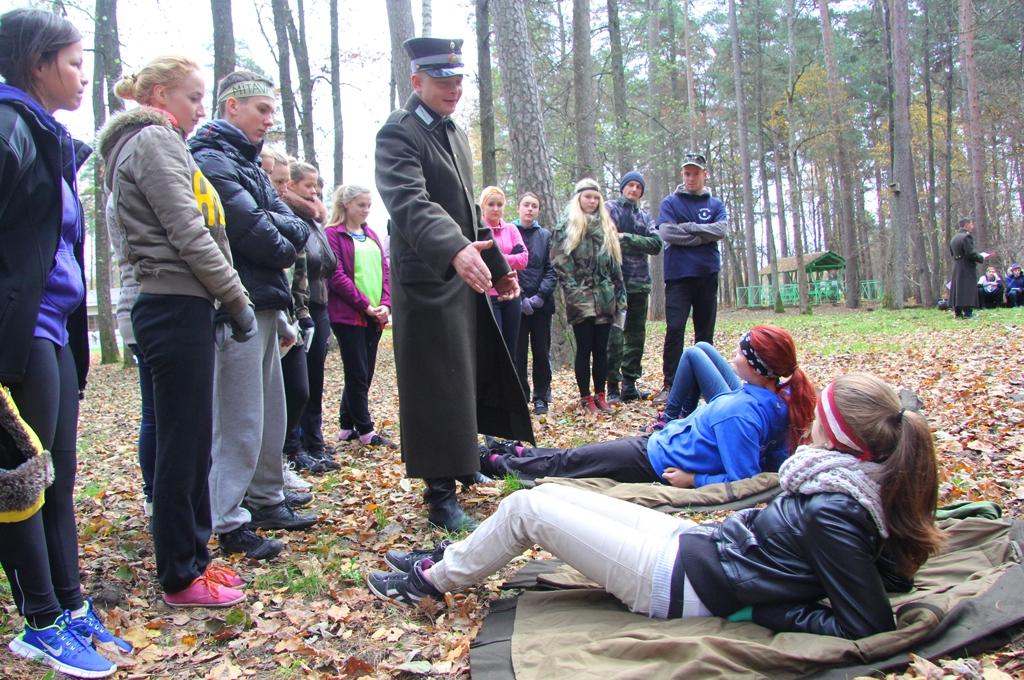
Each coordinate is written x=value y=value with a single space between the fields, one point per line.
x=508 y=240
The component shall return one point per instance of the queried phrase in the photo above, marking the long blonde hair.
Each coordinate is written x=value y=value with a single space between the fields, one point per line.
x=342 y=195
x=167 y=70
x=576 y=222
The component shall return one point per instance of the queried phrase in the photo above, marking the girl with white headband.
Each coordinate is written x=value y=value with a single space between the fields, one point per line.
x=854 y=520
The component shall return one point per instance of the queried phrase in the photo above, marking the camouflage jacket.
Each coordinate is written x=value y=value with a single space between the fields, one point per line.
x=592 y=281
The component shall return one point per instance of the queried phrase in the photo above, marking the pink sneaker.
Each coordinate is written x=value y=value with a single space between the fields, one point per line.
x=205 y=591
x=224 y=576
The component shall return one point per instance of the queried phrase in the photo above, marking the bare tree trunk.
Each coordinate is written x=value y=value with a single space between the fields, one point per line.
x=297 y=36
x=584 y=109
x=284 y=68
x=780 y=195
x=903 y=165
x=769 y=227
x=749 y=229
x=529 y=151
x=339 y=129
x=622 y=156
x=401 y=28
x=103 y=64
x=656 y=309
x=427 y=15
x=975 y=141
x=488 y=153
x=947 y=217
x=844 y=161
x=933 y=222
x=223 y=45
x=795 y=199
x=691 y=97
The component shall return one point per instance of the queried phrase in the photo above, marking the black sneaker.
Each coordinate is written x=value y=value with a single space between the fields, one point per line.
x=401 y=588
x=303 y=461
x=378 y=440
x=280 y=516
x=403 y=561
x=297 y=499
x=612 y=396
x=540 y=407
x=325 y=462
x=245 y=540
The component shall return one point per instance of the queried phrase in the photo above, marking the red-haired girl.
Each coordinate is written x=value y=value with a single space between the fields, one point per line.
x=760 y=408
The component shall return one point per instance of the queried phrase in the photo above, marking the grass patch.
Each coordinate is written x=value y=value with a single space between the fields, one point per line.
x=381 y=517
x=93 y=489
x=510 y=483
x=349 y=571
x=293 y=580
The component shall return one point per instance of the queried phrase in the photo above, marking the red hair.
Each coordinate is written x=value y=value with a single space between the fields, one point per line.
x=777 y=350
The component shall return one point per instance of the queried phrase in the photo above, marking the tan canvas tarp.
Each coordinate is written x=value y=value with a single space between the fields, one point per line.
x=587 y=634
x=725 y=496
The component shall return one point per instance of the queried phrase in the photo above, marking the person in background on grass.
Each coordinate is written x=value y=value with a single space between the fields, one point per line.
x=313 y=269
x=963 y=291
x=170 y=226
x=44 y=347
x=990 y=289
x=246 y=477
x=855 y=519
x=691 y=222
x=1014 y=286
x=759 y=409
x=510 y=242
x=358 y=306
x=638 y=238
x=587 y=258
x=455 y=380
x=537 y=282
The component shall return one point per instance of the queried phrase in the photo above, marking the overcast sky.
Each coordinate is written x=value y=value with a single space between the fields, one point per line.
x=149 y=28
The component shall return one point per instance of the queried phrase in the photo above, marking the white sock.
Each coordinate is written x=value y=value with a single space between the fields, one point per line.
x=80 y=612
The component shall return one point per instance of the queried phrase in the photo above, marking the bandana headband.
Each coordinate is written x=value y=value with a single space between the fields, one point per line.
x=838 y=431
x=755 y=361
x=247 y=88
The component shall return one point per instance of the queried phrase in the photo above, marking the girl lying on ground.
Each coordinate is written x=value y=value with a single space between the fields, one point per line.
x=758 y=410
x=855 y=520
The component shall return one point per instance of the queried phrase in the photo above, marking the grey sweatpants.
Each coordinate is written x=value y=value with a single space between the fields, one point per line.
x=248 y=424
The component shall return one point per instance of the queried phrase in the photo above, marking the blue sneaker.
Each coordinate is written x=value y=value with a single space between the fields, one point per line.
x=60 y=647
x=91 y=629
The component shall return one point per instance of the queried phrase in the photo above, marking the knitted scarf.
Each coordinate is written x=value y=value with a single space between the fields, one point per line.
x=811 y=470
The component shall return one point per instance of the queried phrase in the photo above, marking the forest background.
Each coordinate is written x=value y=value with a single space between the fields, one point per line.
x=864 y=127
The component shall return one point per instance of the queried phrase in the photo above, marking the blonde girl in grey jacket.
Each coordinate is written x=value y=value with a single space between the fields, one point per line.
x=170 y=222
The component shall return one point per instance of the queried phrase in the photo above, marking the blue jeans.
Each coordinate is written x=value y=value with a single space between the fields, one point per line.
x=702 y=372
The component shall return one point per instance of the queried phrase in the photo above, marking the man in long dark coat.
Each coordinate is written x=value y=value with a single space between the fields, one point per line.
x=963 y=291
x=455 y=376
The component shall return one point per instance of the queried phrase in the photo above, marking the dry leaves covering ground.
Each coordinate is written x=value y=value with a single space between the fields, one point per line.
x=308 y=613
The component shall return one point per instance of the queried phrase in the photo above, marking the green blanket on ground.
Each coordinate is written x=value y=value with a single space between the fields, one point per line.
x=744 y=493
x=584 y=633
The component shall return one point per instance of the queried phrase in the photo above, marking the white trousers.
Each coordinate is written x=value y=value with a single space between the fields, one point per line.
x=615 y=543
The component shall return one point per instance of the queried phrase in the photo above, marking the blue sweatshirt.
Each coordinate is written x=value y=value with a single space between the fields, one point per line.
x=737 y=435
x=682 y=207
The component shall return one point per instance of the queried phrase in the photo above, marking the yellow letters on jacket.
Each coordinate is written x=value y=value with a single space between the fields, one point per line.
x=208 y=200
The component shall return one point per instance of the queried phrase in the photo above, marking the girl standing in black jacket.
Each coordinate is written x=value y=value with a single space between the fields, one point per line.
x=42 y=296
x=855 y=520
x=537 y=285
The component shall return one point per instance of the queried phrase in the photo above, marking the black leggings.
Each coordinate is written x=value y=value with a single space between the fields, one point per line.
x=624 y=460
x=40 y=554
x=296 y=394
x=591 y=341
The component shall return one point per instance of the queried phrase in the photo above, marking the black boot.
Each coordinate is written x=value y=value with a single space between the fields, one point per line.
x=613 y=393
x=630 y=392
x=444 y=509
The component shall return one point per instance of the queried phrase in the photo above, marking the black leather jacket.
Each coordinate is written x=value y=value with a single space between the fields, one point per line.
x=35 y=153
x=784 y=559
x=264 y=233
